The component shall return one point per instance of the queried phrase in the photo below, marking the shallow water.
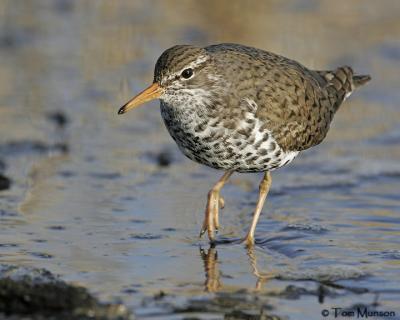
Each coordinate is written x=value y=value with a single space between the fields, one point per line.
x=109 y=202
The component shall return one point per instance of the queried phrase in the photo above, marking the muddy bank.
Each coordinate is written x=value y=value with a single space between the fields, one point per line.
x=30 y=293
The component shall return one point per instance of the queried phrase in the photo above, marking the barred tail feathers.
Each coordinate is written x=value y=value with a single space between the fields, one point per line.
x=343 y=80
x=360 y=80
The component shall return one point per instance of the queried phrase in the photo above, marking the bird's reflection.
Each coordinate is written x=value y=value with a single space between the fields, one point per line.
x=262 y=277
x=211 y=269
x=213 y=282
x=213 y=274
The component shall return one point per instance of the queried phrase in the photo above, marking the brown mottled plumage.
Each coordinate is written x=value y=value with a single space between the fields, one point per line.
x=242 y=109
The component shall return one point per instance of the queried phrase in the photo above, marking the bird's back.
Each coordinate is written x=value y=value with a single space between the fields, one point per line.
x=294 y=103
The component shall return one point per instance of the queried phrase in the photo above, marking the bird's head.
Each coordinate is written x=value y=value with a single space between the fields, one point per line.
x=182 y=74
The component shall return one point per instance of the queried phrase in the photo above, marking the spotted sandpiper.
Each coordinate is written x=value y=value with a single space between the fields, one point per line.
x=242 y=109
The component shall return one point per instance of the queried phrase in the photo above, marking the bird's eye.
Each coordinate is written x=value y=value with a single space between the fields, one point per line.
x=187 y=73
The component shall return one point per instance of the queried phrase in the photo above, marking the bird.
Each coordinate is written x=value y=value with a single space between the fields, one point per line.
x=241 y=109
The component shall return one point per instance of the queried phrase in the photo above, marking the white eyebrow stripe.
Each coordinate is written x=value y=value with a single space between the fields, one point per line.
x=192 y=65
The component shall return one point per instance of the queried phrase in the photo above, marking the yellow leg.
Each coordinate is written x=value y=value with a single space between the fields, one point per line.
x=211 y=219
x=264 y=188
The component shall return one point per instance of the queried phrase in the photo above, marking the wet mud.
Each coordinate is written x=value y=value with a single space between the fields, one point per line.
x=27 y=293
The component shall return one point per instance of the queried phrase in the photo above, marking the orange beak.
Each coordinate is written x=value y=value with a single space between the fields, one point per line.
x=151 y=93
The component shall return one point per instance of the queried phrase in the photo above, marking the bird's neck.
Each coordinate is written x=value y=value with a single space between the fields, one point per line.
x=181 y=116
x=187 y=108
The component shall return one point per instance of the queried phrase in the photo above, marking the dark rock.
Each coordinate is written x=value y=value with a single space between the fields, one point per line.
x=164 y=159
x=58 y=228
x=5 y=183
x=39 y=294
x=59 y=118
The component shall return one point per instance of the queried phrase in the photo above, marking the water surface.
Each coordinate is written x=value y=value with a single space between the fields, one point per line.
x=110 y=203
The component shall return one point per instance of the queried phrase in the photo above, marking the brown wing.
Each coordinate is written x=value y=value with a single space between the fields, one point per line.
x=299 y=105
x=296 y=104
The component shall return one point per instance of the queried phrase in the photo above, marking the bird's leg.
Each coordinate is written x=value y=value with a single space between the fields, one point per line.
x=211 y=220
x=264 y=188
x=221 y=205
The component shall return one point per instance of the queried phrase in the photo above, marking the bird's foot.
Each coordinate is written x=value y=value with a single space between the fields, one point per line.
x=248 y=241
x=211 y=218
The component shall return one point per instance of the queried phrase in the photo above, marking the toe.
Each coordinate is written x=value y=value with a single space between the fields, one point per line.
x=221 y=202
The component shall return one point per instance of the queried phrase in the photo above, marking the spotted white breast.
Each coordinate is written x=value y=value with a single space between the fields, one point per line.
x=247 y=148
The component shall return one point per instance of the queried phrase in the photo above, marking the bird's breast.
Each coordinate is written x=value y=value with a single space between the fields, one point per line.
x=246 y=147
